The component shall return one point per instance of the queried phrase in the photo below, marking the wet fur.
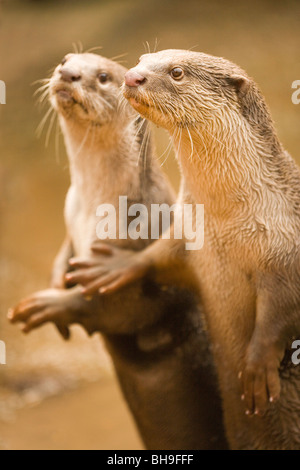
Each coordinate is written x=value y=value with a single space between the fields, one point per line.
x=233 y=163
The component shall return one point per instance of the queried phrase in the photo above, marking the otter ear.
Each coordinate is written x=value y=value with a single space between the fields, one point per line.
x=240 y=83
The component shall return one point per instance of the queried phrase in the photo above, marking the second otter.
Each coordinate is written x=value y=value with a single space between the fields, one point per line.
x=155 y=338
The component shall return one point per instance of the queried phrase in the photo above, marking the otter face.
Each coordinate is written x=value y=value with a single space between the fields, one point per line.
x=86 y=88
x=184 y=89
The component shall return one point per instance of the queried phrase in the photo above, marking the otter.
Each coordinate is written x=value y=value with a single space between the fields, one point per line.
x=154 y=334
x=247 y=273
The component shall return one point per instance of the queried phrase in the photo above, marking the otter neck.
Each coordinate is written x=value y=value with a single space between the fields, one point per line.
x=226 y=171
x=99 y=156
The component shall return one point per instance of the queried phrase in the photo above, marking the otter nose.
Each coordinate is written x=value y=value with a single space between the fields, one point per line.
x=134 y=79
x=69 y=75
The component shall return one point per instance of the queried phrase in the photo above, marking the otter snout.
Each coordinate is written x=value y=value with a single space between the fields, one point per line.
x=134 y=79
x=68 y=75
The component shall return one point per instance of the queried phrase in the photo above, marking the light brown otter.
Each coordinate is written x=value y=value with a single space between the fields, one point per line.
x=248 y=270
x=154 y=335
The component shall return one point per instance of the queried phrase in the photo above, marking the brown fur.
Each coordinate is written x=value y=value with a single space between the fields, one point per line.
x=248 y=270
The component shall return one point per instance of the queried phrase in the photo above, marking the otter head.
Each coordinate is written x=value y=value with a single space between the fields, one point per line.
x=85 y=88
x=177 y=88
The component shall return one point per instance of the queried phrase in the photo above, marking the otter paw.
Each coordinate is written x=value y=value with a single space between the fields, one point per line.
x=86 y=276
x=39 y=309
x=261 y=386
x=113 y=281
x=107 y=272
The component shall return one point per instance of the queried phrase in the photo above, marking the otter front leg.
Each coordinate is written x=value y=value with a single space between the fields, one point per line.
x=277 y=313
x=144 y=305
x=107 y=270
x=110 y=268
x=261 y=381
x=59 y=306
x=61 y=264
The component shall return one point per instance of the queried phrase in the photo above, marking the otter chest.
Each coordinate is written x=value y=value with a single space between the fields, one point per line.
x=228 y=291
x=80 y=223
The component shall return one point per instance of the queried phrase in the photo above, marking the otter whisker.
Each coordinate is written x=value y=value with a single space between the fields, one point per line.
x=167 y=109
x=80 y=47
x=103 y=100
x=57 y=134
x=215 y=138
x=52 y=120
x=147 y=47
x=81 y=146
x=117 y=57
x=42 y=80
x=156 y=44
x=96 y=103
x=51 y=70
x=157 y=105
x=92 y=49
x=180 y=140
x=151 y=98
x=77 y=47
x=192 y=144
x=193 y=47
x=122 y=103
x=135 y=121
x=43 y=121
x=167 y=151
x=174 y=137
x=43 y=97
x=41 y=89
x=205 y=147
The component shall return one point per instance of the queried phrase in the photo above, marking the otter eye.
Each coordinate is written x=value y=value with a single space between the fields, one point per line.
x=103 y=77
x=64 y=61
x=177 y=73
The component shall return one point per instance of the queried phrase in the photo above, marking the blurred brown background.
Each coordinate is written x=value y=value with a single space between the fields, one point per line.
x=55 y=395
